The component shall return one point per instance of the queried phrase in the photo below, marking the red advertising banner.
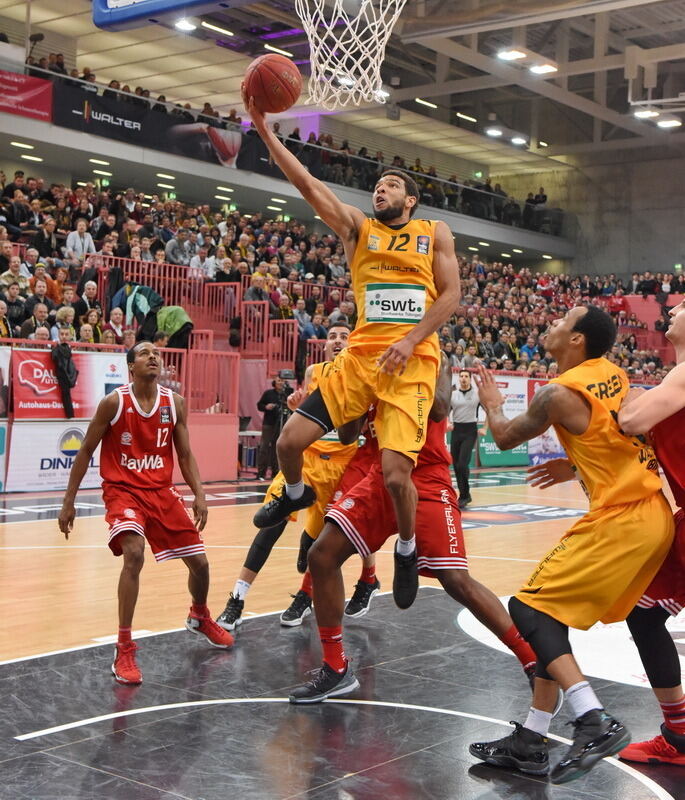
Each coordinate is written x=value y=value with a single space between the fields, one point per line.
x=26 y=96
x=36 y=391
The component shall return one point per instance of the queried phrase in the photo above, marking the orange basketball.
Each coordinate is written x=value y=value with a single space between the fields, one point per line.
x=274 y=82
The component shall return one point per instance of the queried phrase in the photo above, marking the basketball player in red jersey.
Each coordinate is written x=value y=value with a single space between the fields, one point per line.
x=363 y=519
x=139 y=426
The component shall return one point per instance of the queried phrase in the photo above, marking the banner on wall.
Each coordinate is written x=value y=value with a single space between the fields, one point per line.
x=25 y=96
x=514 y=390
x=36 y=392
x=42 y=453
x=546 y=446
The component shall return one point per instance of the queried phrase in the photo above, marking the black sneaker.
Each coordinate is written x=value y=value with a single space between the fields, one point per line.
x=405 y=582
x=306 y=542
x=360 y=601
x=523 y=750
x=231 y=616
x=281 y=507
x=597 y=736
x=326 y=683
x=300 y=608
x=530 y=674
x=464 y=501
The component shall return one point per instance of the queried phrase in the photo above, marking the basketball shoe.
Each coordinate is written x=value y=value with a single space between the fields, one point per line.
x=523 y=750
x=205 y=626
x=231 y=616
x=666 y=748
x=124 y=667
x=360 y=602
x=405 y=583
x=300 y=608
x=281 y=507
x=326 y=683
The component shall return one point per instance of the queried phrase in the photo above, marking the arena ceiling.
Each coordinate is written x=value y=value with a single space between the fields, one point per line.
x=443 y=56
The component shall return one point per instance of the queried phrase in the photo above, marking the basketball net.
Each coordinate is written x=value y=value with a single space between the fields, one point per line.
x=347 y=40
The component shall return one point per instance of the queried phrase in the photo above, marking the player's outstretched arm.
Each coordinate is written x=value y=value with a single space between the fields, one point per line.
x=639 y=414
x=551 y=404
x=443 y=391
x=345 y=220
x=549 y=473
x=105 y=413
x=187 y=463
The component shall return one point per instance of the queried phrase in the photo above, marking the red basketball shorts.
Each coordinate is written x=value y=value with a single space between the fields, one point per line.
x=363 y=461
x=159 y=515
x=366 y=516
x=667 y=589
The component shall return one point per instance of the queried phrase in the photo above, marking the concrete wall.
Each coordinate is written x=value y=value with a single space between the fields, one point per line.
x=629 y=204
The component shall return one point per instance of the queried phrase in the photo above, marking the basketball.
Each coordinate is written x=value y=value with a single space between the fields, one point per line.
x=274 y=82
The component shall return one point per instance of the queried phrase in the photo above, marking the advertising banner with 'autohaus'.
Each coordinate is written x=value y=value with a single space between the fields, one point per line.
x=124 y=120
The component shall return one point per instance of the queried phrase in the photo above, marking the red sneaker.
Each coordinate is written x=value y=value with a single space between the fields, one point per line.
x=205 y=626
x=655 y=751
x=124 y=668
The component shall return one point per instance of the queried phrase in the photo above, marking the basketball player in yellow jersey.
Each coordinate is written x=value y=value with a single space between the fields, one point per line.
x=604 y=563
x=405 y=278
x=325 y=461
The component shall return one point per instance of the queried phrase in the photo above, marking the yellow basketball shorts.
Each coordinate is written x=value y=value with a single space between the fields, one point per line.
x=603 y=565
x=323 y=474
x=351 y=383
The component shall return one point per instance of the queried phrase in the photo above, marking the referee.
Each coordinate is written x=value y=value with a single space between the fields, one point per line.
x=464 y=418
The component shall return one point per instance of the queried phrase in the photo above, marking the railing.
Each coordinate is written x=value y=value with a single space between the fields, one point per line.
x=315 y=351
x=283 y=338
x=254 y=327
x=213 y=382
x=19 y=249
x=44 y=345
x=220 y=304
x=201 y=339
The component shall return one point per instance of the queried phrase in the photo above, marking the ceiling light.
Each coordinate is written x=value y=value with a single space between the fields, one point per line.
x=147 y=196
x=165 y=186
x=224 y=188
x=221 y=197
x=544 y=69
x=163 y=175
x=484 y=244
x=81 y=183
x=274 y=208
x=99 y=161
x=516 y=250
x=543 y=144
x=506 y=255
x=424 y=102
x=664 y=122
x=382 y=95
x=493 y=131
x=184 y=24
x=518 y=140
x=278 y=200
x=474 y=249
x=102 y=172
x=549 y=258
x=31 y=158
x=316 y=216
x=22 y=145
x=466 y=117
x=646 y=113
x=210 y=26
x=512 y=54
x=278 y=50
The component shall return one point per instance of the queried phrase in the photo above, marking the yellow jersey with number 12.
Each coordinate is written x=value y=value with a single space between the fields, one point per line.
x=394 y=285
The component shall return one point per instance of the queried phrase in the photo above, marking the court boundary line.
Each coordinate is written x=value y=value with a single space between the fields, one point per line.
x=654 y=787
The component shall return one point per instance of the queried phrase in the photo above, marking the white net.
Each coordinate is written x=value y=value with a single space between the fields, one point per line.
x=347 y=40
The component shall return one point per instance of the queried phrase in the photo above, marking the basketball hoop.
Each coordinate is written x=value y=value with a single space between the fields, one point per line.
x=347 y=40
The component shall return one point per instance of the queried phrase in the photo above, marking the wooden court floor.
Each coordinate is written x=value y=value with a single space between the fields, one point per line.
x=58 y=594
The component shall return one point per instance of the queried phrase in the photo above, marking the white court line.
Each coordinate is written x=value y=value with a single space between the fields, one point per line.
x=657 y=790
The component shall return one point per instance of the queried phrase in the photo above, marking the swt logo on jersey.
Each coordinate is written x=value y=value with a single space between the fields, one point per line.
x=140 y=464
x=395 y=302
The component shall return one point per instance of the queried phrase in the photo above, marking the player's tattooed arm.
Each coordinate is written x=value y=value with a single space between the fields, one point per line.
x=443 y=391
x=509 y=433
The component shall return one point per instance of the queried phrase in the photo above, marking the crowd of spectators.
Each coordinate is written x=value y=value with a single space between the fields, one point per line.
x=505 y=313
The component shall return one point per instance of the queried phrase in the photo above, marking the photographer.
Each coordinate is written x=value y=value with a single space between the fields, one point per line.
x=273 y=405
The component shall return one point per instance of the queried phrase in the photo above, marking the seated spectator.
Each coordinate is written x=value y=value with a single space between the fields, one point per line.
x=314 y=329
x=257 y=290
x=176 y=251
x=38 y=319
x=6 y=330
x=79 y=244
x=92 y=317
x=14 y=274
x=85 y=334
x=31 y=258
x=39 y=297
x=284 y=310
x=88 y=300
x=108 y=337
x=40 y=335
x=129 y=339
x=115 y=324
x=16 y=313
x=529 y=348
x=40 y=273
x=300 y=314
x=64 y=318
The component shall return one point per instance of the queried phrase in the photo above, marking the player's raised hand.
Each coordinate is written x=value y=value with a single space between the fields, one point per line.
x=256 y=115
x=200 y=513
x=556 y=470
x=396 y=357
x=296 y=399
x=66 y=518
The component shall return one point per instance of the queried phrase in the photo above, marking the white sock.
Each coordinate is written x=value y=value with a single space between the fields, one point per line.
x=241 y=589
x=294 y=490
x=405 y=547
x=538 y=721
x=582 y=699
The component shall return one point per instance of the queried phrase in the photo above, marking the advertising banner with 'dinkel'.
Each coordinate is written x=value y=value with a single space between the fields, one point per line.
x=515 y=391
x=42 y=453
x=37 y=394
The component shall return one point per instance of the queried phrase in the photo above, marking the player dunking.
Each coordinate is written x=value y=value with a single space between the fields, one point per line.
x=405 y=278
x=363 y=519
x=605 y=562
x=325 y=461
x=139 y=426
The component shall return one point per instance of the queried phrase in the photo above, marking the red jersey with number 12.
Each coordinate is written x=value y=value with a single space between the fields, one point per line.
x=137 y=450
